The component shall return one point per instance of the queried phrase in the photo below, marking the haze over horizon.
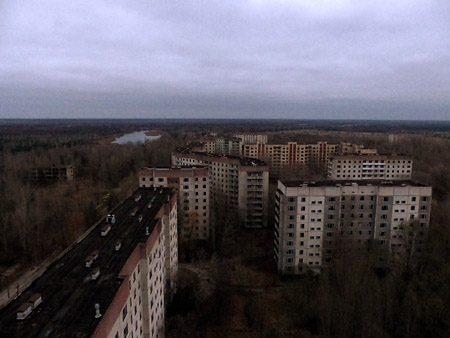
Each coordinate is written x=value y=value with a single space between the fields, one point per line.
x=321 y=59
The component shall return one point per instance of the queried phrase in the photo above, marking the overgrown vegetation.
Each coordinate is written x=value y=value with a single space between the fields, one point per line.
x=357 y=296
x=39 y=218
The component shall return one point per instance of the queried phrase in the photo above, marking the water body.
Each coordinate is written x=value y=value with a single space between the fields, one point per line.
x=135 y=137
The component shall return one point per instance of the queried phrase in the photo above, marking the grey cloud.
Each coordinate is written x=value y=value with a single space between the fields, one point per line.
x=356 y=55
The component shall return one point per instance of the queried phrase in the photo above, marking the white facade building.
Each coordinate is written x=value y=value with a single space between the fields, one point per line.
x=310 y=217
x=369 y=167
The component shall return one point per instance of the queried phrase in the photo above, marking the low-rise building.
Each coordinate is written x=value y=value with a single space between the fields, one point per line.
x=192 y=186
x=311 y=218
x=242 y=183
x=123 y=290
x=64 y=173
x=369 y=167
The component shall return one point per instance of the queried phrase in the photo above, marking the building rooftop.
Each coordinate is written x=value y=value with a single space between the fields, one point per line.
x=68 y=293
x=245 y=161
x=340 y=183
x=176 y=171
x=371 y=156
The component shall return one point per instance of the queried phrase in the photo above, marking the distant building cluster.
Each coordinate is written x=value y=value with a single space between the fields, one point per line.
x=279 y=156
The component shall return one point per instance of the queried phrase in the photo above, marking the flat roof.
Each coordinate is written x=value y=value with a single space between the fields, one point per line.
x=245 y=161
x=370 y=157
x=68 y=297
x=176 y=172
x=337 y=183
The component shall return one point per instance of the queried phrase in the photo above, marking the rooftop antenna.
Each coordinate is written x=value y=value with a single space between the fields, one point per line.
x=97 y=311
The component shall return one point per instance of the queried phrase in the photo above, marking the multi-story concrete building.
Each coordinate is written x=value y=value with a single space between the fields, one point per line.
x=242 y=183
x=312 y=219
x=223 y=146
x=114 y=282
x=279 y=156
x=193 y=188
x=252 y=138
x=369 y=167
x=356 y=149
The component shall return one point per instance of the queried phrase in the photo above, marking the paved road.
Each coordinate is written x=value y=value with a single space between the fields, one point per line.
x=22 y=282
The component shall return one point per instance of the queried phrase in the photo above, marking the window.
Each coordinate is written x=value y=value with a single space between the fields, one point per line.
x=124 y=312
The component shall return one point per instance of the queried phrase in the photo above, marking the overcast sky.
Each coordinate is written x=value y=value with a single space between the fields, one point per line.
x=374 y=59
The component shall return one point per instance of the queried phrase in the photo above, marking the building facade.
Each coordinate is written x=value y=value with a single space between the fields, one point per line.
x=356 y=149
x=63 y=173
x=279 y=156
x=292 y=154
x=252 y=138
x=369 y=167
x=114 y=282
x=223 y=146
x=240 y=182
x=312 y=218
x=193 y=187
